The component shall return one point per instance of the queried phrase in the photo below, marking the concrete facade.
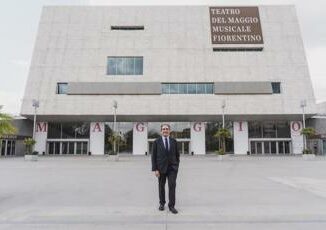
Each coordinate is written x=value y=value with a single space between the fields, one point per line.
x=74 y=42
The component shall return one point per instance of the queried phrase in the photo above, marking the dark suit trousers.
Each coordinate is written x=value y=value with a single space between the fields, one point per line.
x=171 y=175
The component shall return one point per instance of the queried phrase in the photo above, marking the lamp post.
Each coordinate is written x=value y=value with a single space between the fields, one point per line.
x=223 y=108
x=115 y=106
x=36 y=104
x=303 y=104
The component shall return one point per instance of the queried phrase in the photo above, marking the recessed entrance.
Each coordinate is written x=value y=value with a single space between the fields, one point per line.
x=7 y=147
x=270 y=147
x=67 y=147
x=183 y=145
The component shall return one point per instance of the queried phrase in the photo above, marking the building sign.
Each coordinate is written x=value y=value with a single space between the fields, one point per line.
x=235 y=25
x=41 y=127
x=140 y=127
x=197 y=126
x=296 y=126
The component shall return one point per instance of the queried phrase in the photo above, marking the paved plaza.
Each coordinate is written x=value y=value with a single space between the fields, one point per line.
x=96 y=193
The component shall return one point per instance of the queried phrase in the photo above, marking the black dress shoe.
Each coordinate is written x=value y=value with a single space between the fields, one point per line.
x=173 y=210
x=161 y=208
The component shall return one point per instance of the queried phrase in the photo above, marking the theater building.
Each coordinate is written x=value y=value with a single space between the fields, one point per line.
x=189 y=66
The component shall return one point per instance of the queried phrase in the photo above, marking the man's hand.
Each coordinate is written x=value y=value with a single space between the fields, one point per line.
x=157 y=173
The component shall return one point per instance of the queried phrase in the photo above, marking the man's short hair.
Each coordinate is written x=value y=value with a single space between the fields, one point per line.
x=165 y=124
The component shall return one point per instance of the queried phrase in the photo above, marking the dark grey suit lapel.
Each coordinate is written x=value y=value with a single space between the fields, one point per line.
x=160 y=141
x=171 y=144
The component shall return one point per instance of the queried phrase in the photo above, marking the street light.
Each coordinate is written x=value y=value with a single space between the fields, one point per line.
x=303 y=104
x=223 y=108
x=115 y=106
x=36 y=104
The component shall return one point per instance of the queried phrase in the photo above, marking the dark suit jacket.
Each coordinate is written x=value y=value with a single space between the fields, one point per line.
x=161 y=159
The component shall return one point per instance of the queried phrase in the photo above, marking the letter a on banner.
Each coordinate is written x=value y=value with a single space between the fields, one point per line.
x=97 y=127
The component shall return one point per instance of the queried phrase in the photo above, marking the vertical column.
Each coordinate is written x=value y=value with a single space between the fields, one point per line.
x=96 y=139
x=197 y=135
x=139 y=140
x=241 y=137
x=296 y=137
x=41 y=134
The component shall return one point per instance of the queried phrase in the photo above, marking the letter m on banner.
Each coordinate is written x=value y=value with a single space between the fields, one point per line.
x=41 y=127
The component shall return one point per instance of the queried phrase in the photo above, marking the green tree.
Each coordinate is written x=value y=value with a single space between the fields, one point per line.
x=6 y=126
x=222 y=134
x=29 y=144
x=307 y=133
x=116 y=139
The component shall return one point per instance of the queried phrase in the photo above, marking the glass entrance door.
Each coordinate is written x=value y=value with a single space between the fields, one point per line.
x=183 y=147
x=7 y=147
x=270 y=147
x=67 y=147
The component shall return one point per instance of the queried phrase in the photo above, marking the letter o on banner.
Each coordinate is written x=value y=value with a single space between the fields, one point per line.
x=140 y=127
x=296 y=126
x=197 y=126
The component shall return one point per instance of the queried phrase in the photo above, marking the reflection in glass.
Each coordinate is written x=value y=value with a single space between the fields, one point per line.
x=138 y=65
x=266 y=147
x=200 y=89
x=192 y=88
x=212 y=143
x=182 y=88
x=62 y=88
x=68 y=130
x=173 y=88
x=125 y=66
x=165 y=88
x=178 y=129
x=209 y=88
x=273 y=147
x=269 y=130
x=125 y=137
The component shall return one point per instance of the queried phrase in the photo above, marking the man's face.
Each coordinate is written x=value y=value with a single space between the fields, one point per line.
x=165 y=130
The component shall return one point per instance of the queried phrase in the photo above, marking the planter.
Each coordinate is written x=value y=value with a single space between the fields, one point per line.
x=31 y=157
x=308 y=156
x=223 y=157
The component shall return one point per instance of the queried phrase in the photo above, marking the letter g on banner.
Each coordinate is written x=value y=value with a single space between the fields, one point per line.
x=197 y=126
x=140 y=127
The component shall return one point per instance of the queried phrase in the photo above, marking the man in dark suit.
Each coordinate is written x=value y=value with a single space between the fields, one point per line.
x=165 y=164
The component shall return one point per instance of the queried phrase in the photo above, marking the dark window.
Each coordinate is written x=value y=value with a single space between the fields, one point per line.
x=125 y=66
x=269 y=129
x=276 y=86
x=255 y=130
x=283 y=129
x=54 y=130
x=127 y=27
x=62 y=88
x=67 y=130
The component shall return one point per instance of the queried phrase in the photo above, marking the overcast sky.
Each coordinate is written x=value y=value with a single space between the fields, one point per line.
x=19 y=20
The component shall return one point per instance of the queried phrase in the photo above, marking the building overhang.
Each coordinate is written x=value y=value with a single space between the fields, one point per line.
x=171 y=118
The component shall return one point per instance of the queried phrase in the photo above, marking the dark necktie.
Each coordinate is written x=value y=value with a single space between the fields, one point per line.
x=166 y=144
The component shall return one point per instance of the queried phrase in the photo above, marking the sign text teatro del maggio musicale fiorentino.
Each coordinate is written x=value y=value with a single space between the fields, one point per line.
x=235 y=25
